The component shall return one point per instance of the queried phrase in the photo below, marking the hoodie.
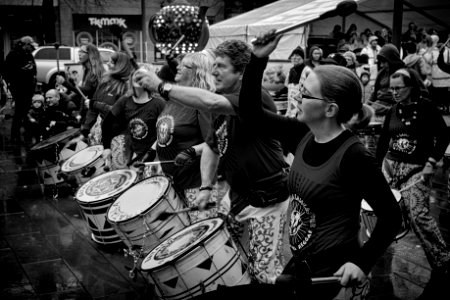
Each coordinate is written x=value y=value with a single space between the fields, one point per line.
x=381 y=99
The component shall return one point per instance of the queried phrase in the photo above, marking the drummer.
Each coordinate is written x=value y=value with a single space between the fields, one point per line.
x=137 y=112
x=253 y=164
x=181 y=131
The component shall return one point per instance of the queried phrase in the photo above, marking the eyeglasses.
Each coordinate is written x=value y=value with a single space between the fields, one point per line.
x=305 y=96
x=397 y=89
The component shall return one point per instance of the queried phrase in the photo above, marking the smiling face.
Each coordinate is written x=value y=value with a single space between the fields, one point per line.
x=225 y=76
x=52 y=98
x=400 y=92
x=185 y=73
x=296 y=59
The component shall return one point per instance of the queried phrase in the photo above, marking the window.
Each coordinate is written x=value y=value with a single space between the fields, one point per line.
x=50 y=53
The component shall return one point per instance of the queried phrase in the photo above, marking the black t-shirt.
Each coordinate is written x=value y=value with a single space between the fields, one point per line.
x=245 y=155
x=178 y=128
x=140 y=120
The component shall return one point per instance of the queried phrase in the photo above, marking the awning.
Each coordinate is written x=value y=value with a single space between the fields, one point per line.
x=279 y=14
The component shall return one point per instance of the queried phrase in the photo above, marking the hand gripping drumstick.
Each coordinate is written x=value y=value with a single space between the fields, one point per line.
x=166 y=214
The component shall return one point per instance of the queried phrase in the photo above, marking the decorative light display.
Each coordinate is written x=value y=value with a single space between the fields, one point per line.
x=180 y=28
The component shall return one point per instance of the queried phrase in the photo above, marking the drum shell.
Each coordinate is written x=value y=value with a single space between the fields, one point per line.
x=95 y=217
x=49 y=158
x=215 y=261
x=95 y=212
x=144 y=230
x=91 y=169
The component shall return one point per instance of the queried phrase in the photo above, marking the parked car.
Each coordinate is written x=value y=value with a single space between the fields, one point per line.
x=47 y=66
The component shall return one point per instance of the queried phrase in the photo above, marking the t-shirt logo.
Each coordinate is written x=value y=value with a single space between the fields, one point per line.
x=403 y=143
x=138 y=129
x=164 y=130
x=302 y=223
x=222 y=138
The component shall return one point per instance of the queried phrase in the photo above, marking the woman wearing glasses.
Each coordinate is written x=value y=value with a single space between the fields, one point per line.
x=413 y=139
x=181 y=131
x=331 y=173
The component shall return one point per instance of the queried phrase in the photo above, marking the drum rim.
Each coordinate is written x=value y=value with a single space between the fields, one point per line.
x=143 y=212
x=132 y=181
x=97 y=155
x=39 y=145
x=183 y=253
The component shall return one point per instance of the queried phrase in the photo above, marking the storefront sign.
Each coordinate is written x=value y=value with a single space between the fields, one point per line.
x=107 y=22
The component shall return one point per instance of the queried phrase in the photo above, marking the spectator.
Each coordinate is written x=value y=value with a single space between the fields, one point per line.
x=58 y=115
x=372 y=50
x=36 y=117
x=20 y=75
x=411 y=35
x=297 y=59
x=313 y=60
x=337 y=33
x=414 y=61
x=381 y=41
x=352 y=29
x=350 y=57
x=389 y=62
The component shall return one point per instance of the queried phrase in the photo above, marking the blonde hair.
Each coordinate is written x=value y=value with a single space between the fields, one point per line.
x=202 y=64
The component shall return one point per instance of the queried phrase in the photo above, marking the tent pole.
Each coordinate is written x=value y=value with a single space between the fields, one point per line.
x=397 y=23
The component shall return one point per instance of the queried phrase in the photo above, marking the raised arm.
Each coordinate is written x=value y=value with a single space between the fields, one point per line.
x=251 y=111
x=190 y=96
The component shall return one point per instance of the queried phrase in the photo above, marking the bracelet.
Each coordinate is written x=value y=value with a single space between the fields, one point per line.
x=205 y=188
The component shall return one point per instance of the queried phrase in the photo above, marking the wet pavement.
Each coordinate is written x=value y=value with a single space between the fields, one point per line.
x=47 y=251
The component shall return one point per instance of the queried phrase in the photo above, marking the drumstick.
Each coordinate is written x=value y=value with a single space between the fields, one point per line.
x=166 y=214
x=412 y=184
x=322 y=280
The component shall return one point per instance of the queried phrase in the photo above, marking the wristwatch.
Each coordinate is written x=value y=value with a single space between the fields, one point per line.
x=164 y=89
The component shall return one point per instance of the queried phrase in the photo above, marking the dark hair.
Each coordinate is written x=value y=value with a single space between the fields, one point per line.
x=93 y=67
x=239 y=53
x=118 y=77
x=341 y=85
x=362 y=58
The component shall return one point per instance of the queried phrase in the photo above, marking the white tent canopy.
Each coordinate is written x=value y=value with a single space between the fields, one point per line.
x=285 y=13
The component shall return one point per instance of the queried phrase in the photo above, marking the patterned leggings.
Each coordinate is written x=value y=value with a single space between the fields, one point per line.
x=265 y=238
x=416 y=202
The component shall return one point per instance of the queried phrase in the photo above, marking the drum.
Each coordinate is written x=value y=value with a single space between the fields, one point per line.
x=134 y=214
x=195 y=261
x=85 y=164
x=369 y=219
x=51 y=152
x=96 y=196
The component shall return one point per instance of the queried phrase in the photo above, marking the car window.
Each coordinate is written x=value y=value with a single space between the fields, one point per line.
x=106 y=55
x=50 y=53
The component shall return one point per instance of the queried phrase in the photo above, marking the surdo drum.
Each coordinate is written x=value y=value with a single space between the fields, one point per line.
x=96 y=196
x=195 y=261
x=369 y=219
x=85 y=165
x=50 y=153
x=134 y=214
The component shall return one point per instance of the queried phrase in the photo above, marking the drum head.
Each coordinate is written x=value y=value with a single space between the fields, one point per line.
x=106 y=185
x=138 y=198
x=82 y=159
x=55 y=139
x=180 y=243
x=367 y=207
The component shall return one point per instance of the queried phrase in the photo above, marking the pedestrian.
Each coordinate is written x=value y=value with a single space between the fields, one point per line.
x=296 y=57
x=58 y=115
x=20 y=75
x=36 y=118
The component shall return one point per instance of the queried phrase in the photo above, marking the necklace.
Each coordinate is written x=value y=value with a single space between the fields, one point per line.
x=408 y=113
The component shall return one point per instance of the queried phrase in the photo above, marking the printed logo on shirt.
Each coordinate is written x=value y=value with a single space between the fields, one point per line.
x=222 y=138
x=404 y=143
x=302 y=223
x=164 y=130
x=138 y=129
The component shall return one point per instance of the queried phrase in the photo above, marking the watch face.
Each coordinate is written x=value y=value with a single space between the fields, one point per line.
x=167 y=87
